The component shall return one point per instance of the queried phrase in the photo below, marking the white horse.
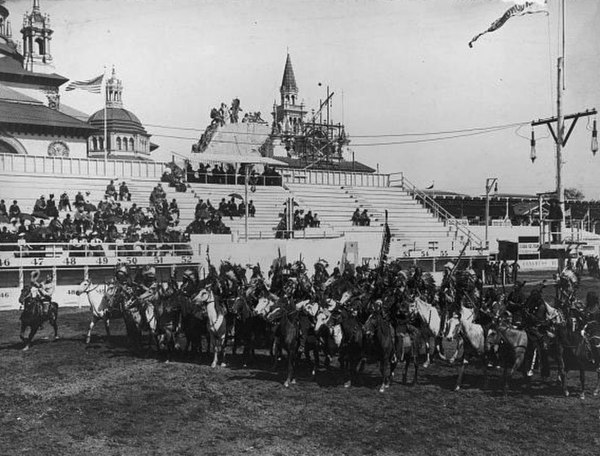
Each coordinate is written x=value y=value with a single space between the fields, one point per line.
x=100 y=304
x=431 y=317
x=463 y=327
x=216 y=324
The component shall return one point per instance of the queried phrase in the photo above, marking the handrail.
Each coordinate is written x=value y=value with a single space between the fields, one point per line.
x=439 y=211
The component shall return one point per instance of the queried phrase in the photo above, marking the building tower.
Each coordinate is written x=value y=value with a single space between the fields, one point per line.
x=127 y=137
x=37 y=35
x=288 y=116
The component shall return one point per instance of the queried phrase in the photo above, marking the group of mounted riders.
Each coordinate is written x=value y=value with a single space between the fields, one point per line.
x=356 y=313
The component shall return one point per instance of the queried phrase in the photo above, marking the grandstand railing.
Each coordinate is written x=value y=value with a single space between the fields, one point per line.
x=27 y=164
x=327 y=177
x=437 y=210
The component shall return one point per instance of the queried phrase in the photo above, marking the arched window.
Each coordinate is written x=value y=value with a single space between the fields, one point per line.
x=41 y=47
x=131 y=143
x=119 y=143
x=125 y=144
x=95 y=143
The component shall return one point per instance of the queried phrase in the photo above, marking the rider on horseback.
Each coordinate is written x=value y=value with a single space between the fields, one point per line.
x=44 y=290
x=190 y=283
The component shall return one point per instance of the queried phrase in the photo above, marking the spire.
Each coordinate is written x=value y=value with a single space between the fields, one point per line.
x=36 y=5
x=114 y=91
x=288 y=84
x=37 y=36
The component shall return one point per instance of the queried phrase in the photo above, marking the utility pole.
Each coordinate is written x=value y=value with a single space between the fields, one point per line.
x=490 y=182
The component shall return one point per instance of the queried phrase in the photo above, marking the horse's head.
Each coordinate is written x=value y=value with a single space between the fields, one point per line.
x=322 y=318
x=26 y=294
x=264 y=306
x=83 y=287
x=452 y=327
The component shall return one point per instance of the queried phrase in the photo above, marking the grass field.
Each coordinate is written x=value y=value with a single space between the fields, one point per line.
x=63 y=398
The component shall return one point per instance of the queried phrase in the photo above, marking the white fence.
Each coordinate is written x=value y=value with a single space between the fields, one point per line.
x=16 y=163
x=324 y=177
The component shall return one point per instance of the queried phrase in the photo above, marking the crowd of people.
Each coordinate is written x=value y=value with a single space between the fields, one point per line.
x=226 y=174
x=84 y=227
x=300 y=221
x=361 y=218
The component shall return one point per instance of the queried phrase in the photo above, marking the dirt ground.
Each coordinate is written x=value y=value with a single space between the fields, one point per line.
x=63 y=398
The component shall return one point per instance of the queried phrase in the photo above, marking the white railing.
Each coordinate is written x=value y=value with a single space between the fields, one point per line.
x=438 y=211
x=327 y=177
x=40 y=165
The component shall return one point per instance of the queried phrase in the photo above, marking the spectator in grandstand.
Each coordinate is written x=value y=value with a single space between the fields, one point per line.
x=64 y=202
x=356 y=217
x=174 y=209
x=3 y=211
x=308 y=220
x=56 y=228
x=14 y=211
x=365 y=220
x=189 y=172
x=298 y=220
x=51 y=210
x=79 y=200
x=232 y=208
x=39 y=208
x=203 y=173
x=124 y=194
x=241 y=209
x=196 y=227
x=223 y=207
x=281 y=232
x=251 y=209
x=316 y=221
x=111 y=191
x=514 y=271
x=230 y=174
x=504 y=275
x=95 y=245
x=157 y=195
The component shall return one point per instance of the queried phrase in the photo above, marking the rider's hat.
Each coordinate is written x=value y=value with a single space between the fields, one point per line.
x=449 y=265
x=35 y=274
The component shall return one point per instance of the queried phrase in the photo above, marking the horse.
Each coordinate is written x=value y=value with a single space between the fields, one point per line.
x=382 y=333
x=430 y=317
x=467 y=332
x=168 y=317
x=287 y=336
x=512 y=345
x=194 y=324
x=577 y=345
x=139 y=315
x=328 y=331
x=33 y=315
x=101 y=306
x=351 y=350
x=215 y=324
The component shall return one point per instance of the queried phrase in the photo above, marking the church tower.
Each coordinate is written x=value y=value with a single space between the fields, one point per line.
x=114 y=92
x=288 y=115
x=5 y=30
x=37 y=35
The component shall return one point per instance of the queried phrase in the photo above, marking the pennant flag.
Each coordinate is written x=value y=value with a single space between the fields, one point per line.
x=93 y=85
x=385 y=244
x=516 y=10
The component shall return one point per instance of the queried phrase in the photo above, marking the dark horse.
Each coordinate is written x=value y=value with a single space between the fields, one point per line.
x=287 y=335
x=382 y=332
x=168 y=316
x=33 y=315
x=578 y=346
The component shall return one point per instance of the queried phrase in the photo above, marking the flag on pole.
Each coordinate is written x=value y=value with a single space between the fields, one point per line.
x=385 y=244
x=519 y=9
x=93 y=85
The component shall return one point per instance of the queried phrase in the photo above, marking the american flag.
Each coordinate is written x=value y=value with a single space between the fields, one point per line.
x=93 y=85
x=517 y=10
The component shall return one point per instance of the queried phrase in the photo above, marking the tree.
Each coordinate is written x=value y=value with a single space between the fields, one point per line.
x=574 y=194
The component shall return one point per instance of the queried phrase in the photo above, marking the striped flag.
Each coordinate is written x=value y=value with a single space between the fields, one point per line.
x=519 y=9
x=93 y=85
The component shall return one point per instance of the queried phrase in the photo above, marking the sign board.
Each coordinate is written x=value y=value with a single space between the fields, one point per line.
x=539 y=265
x=61 y=261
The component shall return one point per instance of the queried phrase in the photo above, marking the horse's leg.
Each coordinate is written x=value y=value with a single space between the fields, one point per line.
x=107 y=327
x=54 y=321
x=32 y=330
x=582 y=380
x=215 y=347
x=562 y=370
x=22 y=333
x=406 y=358
x=415 y=360
x=88 y=338
x=223 y=345
x=461 y=373
x=290 y=366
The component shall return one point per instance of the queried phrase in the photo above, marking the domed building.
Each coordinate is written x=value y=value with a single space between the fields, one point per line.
x=127 y=137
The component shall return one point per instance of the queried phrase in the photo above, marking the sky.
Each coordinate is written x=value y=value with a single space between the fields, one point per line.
x=396 y=68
